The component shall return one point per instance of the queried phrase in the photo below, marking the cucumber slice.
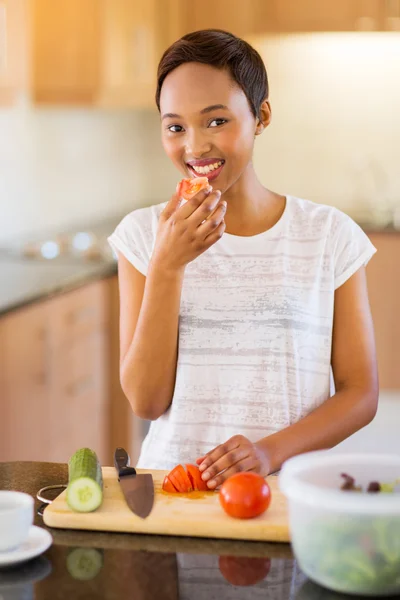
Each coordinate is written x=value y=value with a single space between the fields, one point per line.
x=85 y=481
x=84 y=563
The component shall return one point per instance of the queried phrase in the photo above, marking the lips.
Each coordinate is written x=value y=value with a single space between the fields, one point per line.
x=206 y=167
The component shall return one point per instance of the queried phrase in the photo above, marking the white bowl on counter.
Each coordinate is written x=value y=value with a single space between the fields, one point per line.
x=347 y=541
x=16 y=518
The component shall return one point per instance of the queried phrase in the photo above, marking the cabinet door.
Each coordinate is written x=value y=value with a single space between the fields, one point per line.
x=66 y=38
x=325 y=15
x=383 y=276
x=391 y=15
x=13 y=49
x=79 y=407
x=26 y=382
x=238 y=17
x=126 y=430
x=79 y=411
x=130 y=52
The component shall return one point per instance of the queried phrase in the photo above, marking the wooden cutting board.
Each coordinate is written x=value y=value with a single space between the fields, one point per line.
x=198 y=514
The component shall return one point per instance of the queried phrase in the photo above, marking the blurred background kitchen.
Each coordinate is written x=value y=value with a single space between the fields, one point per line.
x=79 y=148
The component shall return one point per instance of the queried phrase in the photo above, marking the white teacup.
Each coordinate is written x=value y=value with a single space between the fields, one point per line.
x=16 y=518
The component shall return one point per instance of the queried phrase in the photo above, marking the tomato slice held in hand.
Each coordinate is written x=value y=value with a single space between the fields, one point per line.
x=240 y=571
x=180 y=480
x=245 y=495
x=195 y=477
x=187 y=188
x=168 y=486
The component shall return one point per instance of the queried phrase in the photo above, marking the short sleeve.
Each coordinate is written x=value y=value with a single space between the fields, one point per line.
x=353 y=250
x=129 y=238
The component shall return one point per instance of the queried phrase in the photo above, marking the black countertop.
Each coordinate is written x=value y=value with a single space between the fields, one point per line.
x=147 y=567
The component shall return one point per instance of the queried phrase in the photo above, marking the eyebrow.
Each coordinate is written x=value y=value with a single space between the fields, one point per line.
x=204 y=111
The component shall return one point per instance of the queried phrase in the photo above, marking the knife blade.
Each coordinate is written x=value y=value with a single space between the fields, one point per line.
x=138 y=489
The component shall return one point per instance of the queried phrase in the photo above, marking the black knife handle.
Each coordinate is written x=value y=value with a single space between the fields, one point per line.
x=121 y=463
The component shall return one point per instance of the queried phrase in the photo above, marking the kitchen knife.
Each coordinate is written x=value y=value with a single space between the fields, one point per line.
x=137 y=489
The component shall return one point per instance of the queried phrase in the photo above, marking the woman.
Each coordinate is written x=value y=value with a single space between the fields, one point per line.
x=239 y=305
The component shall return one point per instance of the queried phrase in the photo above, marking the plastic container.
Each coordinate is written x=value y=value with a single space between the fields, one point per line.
x=347 y=541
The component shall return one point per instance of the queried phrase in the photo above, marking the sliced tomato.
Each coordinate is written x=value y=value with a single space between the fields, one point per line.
x=188 y=188
x=168 y=486
x=180 y=479
x=195 y=477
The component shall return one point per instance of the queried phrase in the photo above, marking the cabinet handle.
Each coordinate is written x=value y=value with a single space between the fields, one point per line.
x=3 y=38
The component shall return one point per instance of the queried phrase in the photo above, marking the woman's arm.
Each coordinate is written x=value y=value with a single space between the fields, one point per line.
x=149 y=313
x=149 y=306
x=352 y=407
x=354 y=367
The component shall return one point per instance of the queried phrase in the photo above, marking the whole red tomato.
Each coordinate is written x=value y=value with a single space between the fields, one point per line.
x=245 y=495
x=239 y=570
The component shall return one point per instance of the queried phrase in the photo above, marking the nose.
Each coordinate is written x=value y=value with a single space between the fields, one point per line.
x=197 y=143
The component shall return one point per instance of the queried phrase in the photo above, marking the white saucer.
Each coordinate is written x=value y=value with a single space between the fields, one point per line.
x=37 y=542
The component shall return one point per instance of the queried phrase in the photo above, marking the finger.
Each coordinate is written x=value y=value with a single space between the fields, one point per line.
x=245 y=465
x=221 y=450
x=171 y=207
x=212 y=222
x=193 y=204
x=202 y=209
x=205 y=209
x=215 y=235
x=225 y=462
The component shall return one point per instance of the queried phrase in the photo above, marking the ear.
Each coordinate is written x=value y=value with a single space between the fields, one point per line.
x=265 y=118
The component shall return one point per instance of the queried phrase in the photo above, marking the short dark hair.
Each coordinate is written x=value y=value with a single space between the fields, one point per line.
x=222 y=50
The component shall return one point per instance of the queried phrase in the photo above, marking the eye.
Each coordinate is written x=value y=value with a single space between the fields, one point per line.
x=175 y=128
x=217 y=122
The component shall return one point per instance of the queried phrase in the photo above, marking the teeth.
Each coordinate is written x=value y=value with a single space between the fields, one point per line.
x=207 y=168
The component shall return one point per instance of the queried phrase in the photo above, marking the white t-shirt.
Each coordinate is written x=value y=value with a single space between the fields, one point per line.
x=255 y=326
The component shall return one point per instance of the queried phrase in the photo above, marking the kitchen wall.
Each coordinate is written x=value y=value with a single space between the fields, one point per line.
x=335 y=133
x=334 y=138
x=59 y=168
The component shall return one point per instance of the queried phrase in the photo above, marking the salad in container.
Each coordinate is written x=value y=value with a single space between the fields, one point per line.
x=344 y=519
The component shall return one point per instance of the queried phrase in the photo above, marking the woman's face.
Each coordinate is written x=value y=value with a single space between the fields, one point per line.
x=207 y=126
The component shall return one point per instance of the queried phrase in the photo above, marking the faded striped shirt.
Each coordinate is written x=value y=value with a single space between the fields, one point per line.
x=255 y=326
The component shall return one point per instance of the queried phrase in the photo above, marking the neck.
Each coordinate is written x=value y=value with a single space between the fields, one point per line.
x=252 y=208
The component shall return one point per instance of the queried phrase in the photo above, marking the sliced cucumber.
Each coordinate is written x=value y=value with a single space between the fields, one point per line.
x=84 y=563
x=85 y=481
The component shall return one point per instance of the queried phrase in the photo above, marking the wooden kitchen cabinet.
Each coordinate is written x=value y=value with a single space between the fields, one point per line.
x=13 y=50
x=126 y=429
x=258 y=17
x=241 y=18
x=79 y=387
x=65 y=45
x=25 y=402
x=383 y=277
x=325 y=15
x=134 y=36
x=55 y=378
x=129 y=52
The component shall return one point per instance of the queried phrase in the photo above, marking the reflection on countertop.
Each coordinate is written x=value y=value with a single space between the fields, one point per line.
x=34 y=270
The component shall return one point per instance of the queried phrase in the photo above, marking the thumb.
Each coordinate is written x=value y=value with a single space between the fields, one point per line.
x=172 y=206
